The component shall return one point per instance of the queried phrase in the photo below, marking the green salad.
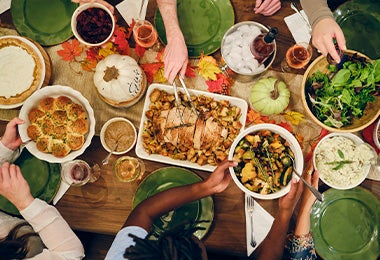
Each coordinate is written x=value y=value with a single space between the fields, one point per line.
x=342 y=94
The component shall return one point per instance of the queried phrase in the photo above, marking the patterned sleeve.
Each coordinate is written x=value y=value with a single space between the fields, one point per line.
x=300 y=247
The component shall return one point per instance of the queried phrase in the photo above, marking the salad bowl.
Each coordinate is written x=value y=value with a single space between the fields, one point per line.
x=326 y=117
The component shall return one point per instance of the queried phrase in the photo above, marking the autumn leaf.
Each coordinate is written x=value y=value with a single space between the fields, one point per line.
x=130 y=29
x=215 y=86
x=71 y=49
x=299 y=138
x=160 y=55
x=294 y=117
x=286 y=126
x=107 y=50
x=208 y=67
x=89 y=65
x=190 y=71
x=159 y=76
x=120 y=39
x=92 y=54
x=151 y=69
x=254 y=117
x=140 y=50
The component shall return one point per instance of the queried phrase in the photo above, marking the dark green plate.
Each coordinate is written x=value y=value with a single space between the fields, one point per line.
x=48 y=22
x=346 y=224
x=203 y=24
x=170 y=177
x=43 y=178
x=360 y=22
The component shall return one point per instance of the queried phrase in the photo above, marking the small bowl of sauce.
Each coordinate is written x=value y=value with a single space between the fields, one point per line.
x=118 y=131
x=92 y=24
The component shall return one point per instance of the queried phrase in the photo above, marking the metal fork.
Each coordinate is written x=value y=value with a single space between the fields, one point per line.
x=250 y=203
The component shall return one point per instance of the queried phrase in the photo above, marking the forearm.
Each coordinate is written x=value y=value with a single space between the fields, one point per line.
x=303 y=222
x=145 y=213
x=168 y=10
x=273 y=245
x=316 y=10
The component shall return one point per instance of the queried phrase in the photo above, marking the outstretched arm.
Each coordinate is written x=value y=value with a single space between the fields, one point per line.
x=175 y=56
x=325 y=29
x=273 y=245
x=145 y=213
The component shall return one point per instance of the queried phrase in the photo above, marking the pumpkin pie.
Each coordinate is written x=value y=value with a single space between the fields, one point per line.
x=20 y=70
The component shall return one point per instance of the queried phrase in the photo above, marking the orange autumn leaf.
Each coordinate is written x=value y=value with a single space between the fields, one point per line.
x=255 y=117
x=294 y=117
x=160 y=55
x=151 y=69
x=299 y=138
x=89 y=65
x=71 y=49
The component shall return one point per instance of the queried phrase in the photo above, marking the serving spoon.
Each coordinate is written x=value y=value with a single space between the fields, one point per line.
x=105 y=160
x=316 y=193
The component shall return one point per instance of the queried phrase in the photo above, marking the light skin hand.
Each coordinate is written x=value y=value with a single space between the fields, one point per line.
x=14 y=187
x=267 y=7
x=175 y=57
x=106 y=4
x=11 y=138
x=322 y=37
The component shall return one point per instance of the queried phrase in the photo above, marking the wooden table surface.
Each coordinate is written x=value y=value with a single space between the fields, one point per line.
x=103 y=206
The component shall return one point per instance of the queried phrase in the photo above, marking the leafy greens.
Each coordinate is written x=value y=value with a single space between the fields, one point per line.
x=339 y=96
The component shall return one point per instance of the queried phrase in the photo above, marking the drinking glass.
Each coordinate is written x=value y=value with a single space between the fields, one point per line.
x=297 y=57
x=128 y=169
x=144 y=33
x=79 y=172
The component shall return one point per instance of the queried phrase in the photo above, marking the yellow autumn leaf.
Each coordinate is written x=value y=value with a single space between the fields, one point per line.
x=107 y=50
x=159 y=76
x=208 y=68
x=294 y=117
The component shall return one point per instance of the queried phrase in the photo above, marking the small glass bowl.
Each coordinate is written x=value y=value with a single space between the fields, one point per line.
x=128 y=169
x=76 y=173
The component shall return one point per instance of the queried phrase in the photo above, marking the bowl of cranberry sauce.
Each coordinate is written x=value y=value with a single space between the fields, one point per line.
x=92 y=24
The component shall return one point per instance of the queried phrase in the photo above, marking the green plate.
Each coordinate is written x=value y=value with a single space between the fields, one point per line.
x=203 y=24
x=43 y=178
x=48 y=22
x=346 y=225
x=360 y=22
x=170 y=177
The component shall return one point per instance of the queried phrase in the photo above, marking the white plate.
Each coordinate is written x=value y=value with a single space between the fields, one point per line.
x=140 y=151
x=39 y=54
x=55 y=91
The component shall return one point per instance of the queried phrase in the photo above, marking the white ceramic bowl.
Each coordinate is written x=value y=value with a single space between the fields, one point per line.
x=294 y=146
x=55 y=91
x=74 y=19
x=232 y=68
x=103 y=130
x=376 y=132
x=334 y=180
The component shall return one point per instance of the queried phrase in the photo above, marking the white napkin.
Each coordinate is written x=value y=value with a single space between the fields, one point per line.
x=131 y=9
x=299 y=28
x=4 y=5
x=262 y=222
x=62 y=190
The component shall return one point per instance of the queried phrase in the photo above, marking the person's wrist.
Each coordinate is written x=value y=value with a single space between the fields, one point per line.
x=21 y=205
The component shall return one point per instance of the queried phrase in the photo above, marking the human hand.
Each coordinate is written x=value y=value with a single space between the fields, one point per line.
x=175 y=57
x=106 y=4
x=267 y=7
x=324 y=32
x=11 y=137
x=289 y=201
x=14 y=187
x=307 y=197
x=220 y=178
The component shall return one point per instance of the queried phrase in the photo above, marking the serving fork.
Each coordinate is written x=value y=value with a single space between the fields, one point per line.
x=250 y=203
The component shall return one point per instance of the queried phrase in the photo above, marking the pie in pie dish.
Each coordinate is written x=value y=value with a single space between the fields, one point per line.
x=58 y=125
x=22 y=69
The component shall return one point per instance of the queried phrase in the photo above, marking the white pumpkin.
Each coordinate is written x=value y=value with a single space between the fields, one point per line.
x=119 y=80
x=269 y=96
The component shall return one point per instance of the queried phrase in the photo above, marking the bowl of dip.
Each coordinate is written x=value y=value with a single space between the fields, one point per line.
x=92 y=24
x=343 y=160
x=120 y=131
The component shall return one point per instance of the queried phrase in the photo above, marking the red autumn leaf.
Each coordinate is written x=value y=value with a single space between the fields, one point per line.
x=150 y=69
x=190 y=71
x=121 y=41
x=139 y=50
x=160 y=55
x=130 y=29
x=71 y=49
x=92 y=54
x=215 y=86
x=286 y=126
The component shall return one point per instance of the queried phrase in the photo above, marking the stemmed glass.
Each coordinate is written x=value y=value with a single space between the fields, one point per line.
x=144 y=33
x=79 y=172
x=128 y=169
x=297 y=57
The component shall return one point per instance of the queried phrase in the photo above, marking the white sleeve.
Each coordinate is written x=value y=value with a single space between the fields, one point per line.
x=60 y=240
x=6 y=154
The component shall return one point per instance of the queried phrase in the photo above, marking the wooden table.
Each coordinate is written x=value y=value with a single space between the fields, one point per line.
x=103 y=206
